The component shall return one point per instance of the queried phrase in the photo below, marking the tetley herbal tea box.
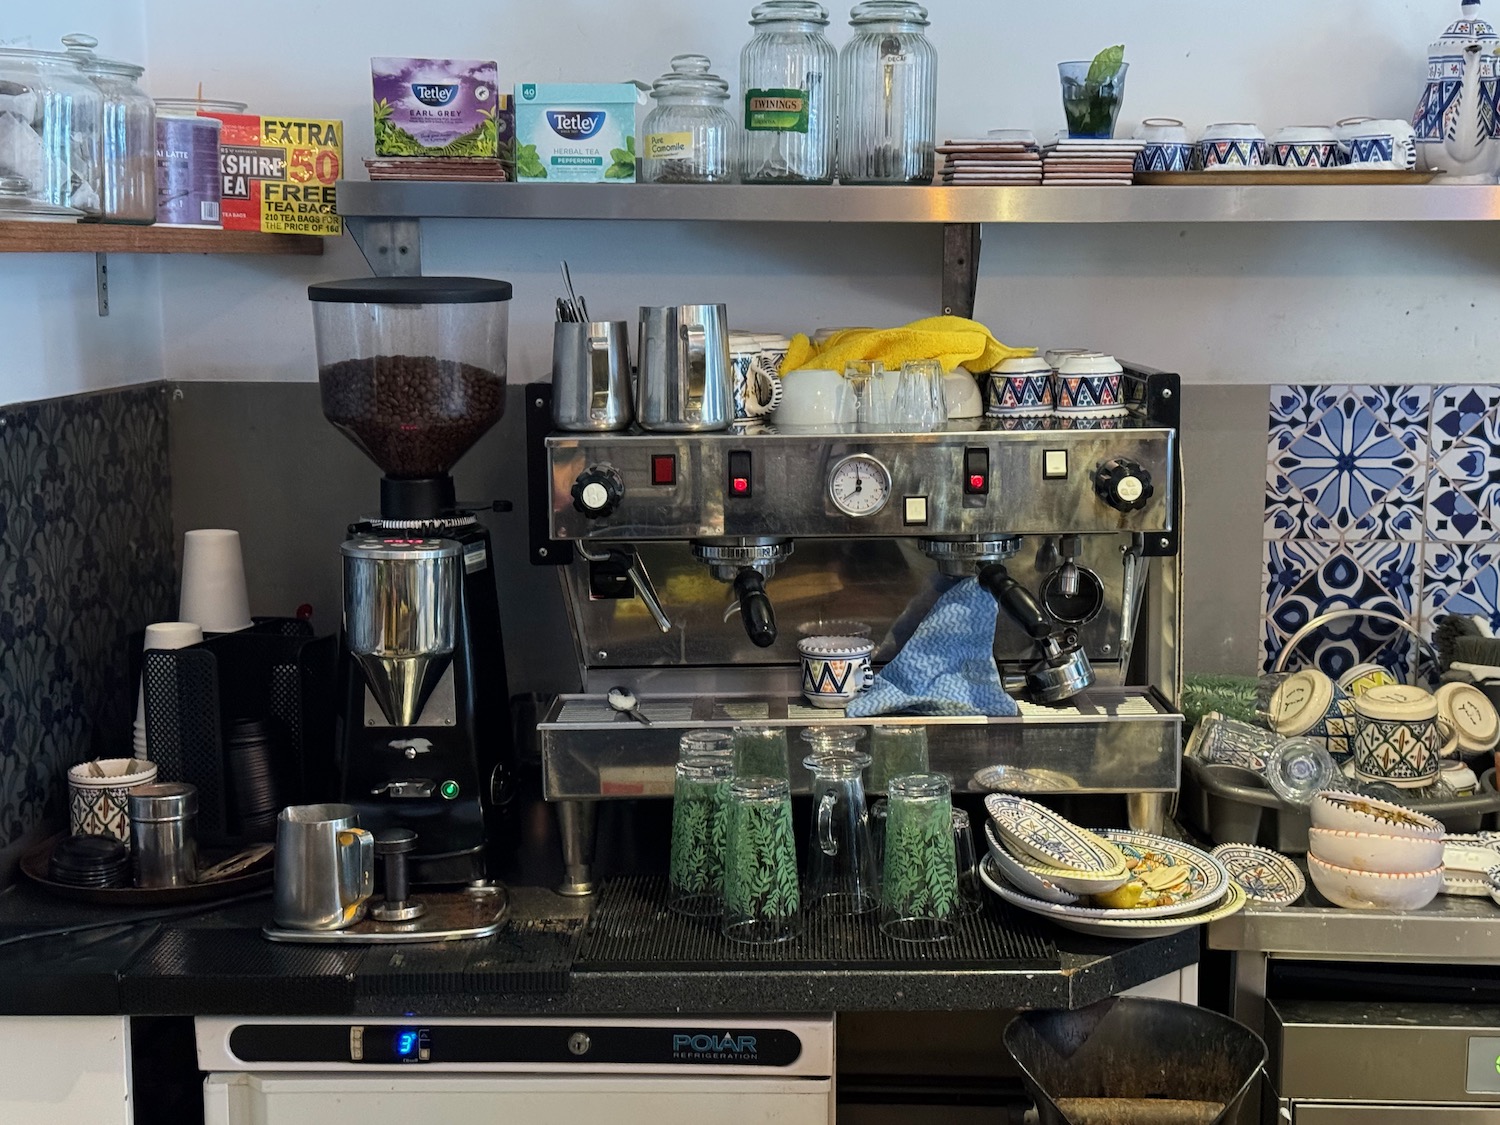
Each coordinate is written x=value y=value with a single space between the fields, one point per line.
x=436 y=107
x=580 y=132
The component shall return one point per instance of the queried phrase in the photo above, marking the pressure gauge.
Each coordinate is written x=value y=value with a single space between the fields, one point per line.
x=859 y=485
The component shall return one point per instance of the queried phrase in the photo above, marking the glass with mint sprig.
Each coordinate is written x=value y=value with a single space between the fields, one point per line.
x=1092 y=93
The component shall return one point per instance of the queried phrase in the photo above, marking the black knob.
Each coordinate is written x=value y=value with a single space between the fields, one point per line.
x=1123 y=484
x=598 y=491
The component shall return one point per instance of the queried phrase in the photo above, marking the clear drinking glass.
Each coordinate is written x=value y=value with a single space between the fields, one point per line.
x=688 y=138
x=833 y=740
x=888 y=109
x=1091 y=107
x=918 y=403
x=872 y=391
x=895 y=751
x=842 y=876
x=705 y=743
x=761 y=752
x=761 y=895
x=919 y=883
x=699 y=813
x=969 y=901
x=788 y=79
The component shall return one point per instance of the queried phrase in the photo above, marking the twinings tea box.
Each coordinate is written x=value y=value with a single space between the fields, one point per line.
x=438 y=107
x=580 y=132
x=278 y=173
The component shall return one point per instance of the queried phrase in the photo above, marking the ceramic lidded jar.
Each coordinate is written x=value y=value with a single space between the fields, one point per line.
x=1455 y=119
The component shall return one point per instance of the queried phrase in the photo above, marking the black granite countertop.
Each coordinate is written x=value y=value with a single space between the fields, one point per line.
x=217 y=963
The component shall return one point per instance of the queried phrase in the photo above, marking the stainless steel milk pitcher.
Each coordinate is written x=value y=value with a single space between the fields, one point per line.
x=686 y=382
x=591 y=375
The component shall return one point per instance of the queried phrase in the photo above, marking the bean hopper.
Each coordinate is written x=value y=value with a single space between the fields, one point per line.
x=412 y=370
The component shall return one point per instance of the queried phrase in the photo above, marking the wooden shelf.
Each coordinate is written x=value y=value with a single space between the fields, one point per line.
x=108 y=238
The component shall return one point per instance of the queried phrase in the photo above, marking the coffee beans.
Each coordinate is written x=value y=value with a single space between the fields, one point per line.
x=413 y=415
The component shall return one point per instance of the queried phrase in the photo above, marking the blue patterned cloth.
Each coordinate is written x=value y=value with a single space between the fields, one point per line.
x=948 y=666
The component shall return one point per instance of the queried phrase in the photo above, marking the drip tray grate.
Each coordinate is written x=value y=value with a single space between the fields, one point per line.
x=631 y=929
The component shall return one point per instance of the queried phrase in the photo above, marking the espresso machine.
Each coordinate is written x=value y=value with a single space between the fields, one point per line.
x=692 y=563
x=412 y=370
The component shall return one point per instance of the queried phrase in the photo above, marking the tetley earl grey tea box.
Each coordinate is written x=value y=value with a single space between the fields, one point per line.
x=582 y=132
x=436 y=107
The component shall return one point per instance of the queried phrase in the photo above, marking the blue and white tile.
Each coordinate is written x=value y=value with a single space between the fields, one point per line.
x=1461 y=578
x=1355 y=471
x=1294 y=406
x=1459 y=410
x=1463 y=490
x=1306 y=578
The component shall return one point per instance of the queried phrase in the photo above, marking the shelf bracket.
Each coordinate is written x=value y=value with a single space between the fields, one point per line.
x=960 y=268
x=392 y=247
x=101 y=281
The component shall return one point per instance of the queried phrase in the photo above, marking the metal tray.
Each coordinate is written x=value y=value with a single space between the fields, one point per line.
x=1228 y=813
x=1107 y=740
x=34 y=867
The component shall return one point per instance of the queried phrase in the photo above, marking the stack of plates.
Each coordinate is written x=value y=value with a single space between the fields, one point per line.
x=90 y=861
x=1042 y=863
x=989 y=162
x=471 y=168
x=1080 y=160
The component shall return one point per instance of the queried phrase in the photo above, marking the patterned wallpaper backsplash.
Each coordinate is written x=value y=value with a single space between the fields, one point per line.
x=1382 y=498
x=86 y=558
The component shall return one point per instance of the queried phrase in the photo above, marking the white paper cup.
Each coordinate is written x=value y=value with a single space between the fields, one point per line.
x=100 y=806
x=213 y=581
x=160 y=634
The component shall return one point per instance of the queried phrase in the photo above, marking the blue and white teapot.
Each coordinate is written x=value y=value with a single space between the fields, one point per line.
x=1455 y=120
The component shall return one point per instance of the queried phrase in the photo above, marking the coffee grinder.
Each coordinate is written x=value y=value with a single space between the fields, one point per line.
x=412 y=370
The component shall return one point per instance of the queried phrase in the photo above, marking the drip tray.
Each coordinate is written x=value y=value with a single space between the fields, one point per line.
x=1106 y=740
x=450 y=916
x=631 y=929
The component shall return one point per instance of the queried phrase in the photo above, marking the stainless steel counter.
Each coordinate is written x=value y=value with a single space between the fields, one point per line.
x=1452 y=928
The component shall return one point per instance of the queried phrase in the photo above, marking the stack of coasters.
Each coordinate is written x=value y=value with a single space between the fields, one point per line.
x=436 y=168
x=986 y=161
x=1085 y=160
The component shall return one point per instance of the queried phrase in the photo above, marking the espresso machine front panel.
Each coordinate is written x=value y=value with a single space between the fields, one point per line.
x=967 y=479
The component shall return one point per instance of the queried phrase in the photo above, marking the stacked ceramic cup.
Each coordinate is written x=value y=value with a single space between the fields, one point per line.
x=1367 y=854
x=1085 y=388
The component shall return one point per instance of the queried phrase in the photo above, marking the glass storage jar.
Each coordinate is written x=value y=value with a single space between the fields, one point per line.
x=49 y=128
x=127 y=137
x=688 y=134
x=788 y=80
x=888 y=108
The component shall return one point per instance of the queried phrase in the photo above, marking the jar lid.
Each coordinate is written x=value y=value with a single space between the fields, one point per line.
x=194 y=106
x=410 y=291
x=888 y=11
x=1474 y=718
x=1300 y=702
x=46 y=58
x=690 y=76
x=168 y=800
x=81 y=47
x=788 y=11
x=1396 y=701
x=1468 y=26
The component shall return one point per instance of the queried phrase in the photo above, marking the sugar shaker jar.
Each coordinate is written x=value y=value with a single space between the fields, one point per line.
x=127 y=139
x=888 y=108
x=788 y=79
x=688 y=134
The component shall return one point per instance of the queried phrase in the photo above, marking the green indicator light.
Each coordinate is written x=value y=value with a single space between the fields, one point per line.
x=449 y=790
x=1497 y=1065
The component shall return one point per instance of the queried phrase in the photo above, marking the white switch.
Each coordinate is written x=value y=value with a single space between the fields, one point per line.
x=1054 y=464
x=916 y=510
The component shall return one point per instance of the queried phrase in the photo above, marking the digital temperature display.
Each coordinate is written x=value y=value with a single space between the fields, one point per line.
x=406 y=1044
x=411 y=1044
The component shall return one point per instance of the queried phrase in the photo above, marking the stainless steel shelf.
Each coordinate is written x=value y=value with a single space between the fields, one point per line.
x=837 y=204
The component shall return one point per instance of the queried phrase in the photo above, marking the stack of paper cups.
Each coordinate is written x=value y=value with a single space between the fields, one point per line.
x=213 y=581
x=163 y=634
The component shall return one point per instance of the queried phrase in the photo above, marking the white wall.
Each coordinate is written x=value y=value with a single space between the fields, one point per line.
x=55 y=341
x=1221 y=304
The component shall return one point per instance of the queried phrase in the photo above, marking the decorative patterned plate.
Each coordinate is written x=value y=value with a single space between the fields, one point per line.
x=1020 y=876
x=1267 y=876
x=1050 y=839
x=1466 y=859
x=1118 y=927
x=1014 y=779
x=1073 y=882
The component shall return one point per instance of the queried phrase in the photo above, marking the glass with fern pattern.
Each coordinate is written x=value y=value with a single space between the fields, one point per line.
x=762 y=898
x=761 y=752
x=699 y=821
x=919 y=884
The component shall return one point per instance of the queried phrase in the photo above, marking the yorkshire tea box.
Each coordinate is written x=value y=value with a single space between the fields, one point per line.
x=278 y=173
x=575 y=132
x=437 y=107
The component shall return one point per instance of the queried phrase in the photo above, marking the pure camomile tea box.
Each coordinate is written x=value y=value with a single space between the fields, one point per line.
x=581 y=132
x=437 y=107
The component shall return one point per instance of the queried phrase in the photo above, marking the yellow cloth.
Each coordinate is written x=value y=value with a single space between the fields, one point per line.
x=951 y=340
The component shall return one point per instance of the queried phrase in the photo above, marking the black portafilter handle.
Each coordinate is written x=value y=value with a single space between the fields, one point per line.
x=755 y=608
x=1017 y=601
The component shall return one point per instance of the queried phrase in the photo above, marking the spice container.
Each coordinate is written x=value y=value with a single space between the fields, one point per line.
x=127 y=136
x=163 y=834
x=188 y=187
x=49 y=128
x=888 y=108
x=788 y=79
x=687 y=137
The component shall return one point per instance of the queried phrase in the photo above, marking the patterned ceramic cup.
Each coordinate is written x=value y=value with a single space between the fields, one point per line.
x=1021 y=387
x=1232 y=145
x=1400 y=738
x=757 y=386
x=1306 y=146
x=1362 y=677
x=1090 y=385
x=99 y=803
x=1308 y=704
x=1375 y=144
x=1167 y=146
x=835 y=669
